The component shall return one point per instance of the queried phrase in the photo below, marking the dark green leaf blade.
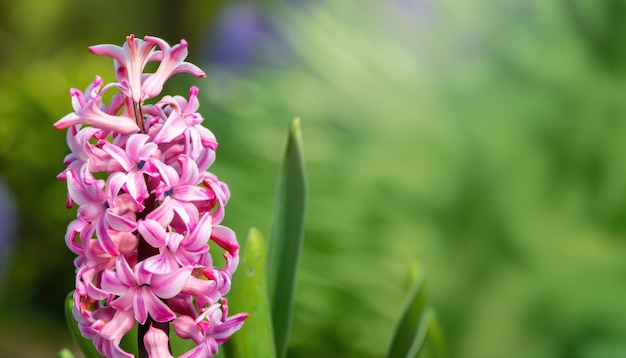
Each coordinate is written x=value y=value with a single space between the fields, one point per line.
x=249 y=294
x=406 y=332
x=286 y=237
x=434 y=336
x=85 y=345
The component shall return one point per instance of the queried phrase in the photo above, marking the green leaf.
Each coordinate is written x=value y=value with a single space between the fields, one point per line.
x=286 y=237
x=418 y=325
x=249 y=294
x=408 y=329
x=85 y=345
x=65 y=353
x=179 y=345
x=129 y=342
x=428 y=335
x=434 y=336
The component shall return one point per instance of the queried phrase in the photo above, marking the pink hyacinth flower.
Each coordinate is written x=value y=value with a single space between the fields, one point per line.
x=135 y=54
x=142 y=291
x=175 y=249
x=102 y=210
x=147 y=209
x=209 y=329
x=92 y=111
x=137 y=159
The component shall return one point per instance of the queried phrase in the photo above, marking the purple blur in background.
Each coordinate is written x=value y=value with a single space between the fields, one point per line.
x=7 y=229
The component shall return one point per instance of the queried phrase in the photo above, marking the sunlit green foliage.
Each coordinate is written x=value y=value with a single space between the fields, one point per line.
x=483 y=139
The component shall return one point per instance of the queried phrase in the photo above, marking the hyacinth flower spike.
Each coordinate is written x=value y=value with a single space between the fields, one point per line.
x=145 y=209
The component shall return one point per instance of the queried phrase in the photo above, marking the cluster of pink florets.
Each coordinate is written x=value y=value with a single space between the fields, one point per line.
x=147 y=208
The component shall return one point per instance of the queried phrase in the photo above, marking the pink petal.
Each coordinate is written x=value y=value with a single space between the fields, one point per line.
x=172 y=128
x=189 y=171
x=109 y=50
x=125 y=302
x=119 y=155
x=191 y=193
x=114 y=183
x=225 y=238
x=168 y=174
x=125 y=274
x=204 y=350
x=205 y=160
x=80 y=192
x=105 y=240
x=232 y=324
x=173 y=240
x=111 y=283
x=136 y=144
x=90 y=211
x=157 y=343
x=119 y=325
x=152 y=232
x=197 y=239
x=186 y=328
x=93 y=115
x=193 y=143
x=157 y=309
x=141 y=299
x=171 y=63
x=73 y=228
x=119 y=223
x=136 y=186
x=208 y=138
x=169 y=285
x=196 y=287
x=162 y=263
x=164 y=213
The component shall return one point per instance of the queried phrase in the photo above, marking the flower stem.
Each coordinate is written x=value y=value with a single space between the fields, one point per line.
x=139 y=117
x=144 y=250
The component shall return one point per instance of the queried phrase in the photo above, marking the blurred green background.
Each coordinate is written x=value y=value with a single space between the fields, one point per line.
x=484 y=140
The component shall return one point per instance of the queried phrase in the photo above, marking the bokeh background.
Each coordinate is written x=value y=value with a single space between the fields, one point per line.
x=485 y=140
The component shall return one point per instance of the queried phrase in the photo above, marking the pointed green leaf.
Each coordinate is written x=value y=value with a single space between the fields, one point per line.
x=65 y=353
x=429 y=336
x=85 y=345
x=434 y=336
x=407 y=330
x=286 y=237
x=420 y=335
x=249 y=294
x=418 y=327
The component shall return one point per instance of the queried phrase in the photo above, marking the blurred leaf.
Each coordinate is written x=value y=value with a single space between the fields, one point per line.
x=418 y=324
x=65 y=353
x=410 y=334
x=129 y=342
x=249 y=294
x=434 y=335
x=220 y=354
x=85 y=345
x=179 y=345
x=287 y=236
